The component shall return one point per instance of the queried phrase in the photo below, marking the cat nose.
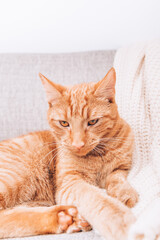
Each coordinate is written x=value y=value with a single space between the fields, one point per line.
x=78 y=145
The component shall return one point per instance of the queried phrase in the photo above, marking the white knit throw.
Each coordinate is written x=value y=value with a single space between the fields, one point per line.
x=138 y=99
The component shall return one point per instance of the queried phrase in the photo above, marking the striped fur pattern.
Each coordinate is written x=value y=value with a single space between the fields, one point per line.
x=88 y=148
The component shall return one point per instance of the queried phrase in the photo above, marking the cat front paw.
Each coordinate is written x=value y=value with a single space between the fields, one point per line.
x=120 y=220
x=125 y=193
x=70 y=221
x=128 y=195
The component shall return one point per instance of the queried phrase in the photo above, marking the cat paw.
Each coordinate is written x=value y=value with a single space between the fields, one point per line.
x=70 y=221
x=125 y=193
x=120 y=220
x=128 y=195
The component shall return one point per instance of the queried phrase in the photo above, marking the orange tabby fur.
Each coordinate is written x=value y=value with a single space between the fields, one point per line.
x=69 y=165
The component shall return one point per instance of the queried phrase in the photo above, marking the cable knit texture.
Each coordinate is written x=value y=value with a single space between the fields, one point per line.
x=138 y=99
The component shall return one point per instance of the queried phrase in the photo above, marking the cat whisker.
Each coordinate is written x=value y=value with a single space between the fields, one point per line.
x=96 y=150
x=60 y=152
x=55 y=149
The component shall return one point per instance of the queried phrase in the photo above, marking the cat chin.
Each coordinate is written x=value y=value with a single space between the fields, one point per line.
x=80 y=153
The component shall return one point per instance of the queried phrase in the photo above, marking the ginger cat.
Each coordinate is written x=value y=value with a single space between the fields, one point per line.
x=88 y=147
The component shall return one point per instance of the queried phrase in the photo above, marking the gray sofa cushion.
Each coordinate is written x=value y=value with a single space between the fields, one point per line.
x=23 y=103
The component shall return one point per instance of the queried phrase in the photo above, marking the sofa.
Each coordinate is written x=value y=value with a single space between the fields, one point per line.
x=23 y=104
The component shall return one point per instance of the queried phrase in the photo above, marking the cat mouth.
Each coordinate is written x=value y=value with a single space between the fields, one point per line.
x=85 y=152
x=81 y=152
x=96 y=150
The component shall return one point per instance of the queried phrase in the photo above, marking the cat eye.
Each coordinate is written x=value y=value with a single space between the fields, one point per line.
x=92 y=122
x=64 y=123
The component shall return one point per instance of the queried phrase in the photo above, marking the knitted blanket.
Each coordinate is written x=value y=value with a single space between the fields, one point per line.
x=138 y=99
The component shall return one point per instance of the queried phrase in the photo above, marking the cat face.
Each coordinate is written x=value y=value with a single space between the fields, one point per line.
x=81 y=115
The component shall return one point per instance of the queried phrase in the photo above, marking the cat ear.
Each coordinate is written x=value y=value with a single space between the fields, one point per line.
x=105 y=88
x=53 y=91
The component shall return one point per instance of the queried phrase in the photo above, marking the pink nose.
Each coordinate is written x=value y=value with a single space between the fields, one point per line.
x=78 y=145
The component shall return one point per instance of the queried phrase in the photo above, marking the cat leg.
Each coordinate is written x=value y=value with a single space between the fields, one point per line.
x=117 y=186
x=107 y=215
x=24 y=221
x=79 y=223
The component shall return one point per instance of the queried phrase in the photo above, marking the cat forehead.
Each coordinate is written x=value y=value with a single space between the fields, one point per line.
x=86 y=109
x=78 y=102
x=78 y=98
x=80 y=90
